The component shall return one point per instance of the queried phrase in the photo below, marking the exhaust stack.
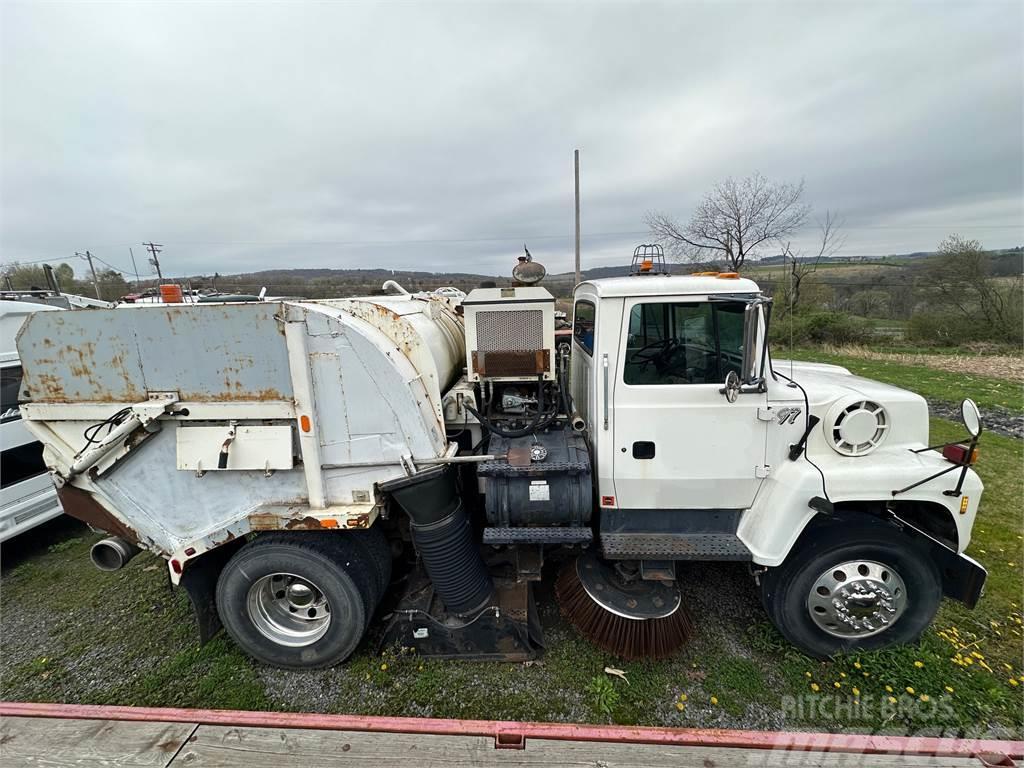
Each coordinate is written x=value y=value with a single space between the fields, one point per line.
x=112 y=554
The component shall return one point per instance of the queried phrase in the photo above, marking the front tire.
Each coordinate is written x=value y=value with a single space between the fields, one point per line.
x=852 y=585
x=295 y=600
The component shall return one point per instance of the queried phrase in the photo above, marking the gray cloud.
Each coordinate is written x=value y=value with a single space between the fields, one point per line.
x=440 y=136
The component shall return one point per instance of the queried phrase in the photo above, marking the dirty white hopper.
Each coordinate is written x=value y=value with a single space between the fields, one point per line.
x=242 y=416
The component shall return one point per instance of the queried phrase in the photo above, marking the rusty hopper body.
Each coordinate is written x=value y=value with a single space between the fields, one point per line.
x=181 y=427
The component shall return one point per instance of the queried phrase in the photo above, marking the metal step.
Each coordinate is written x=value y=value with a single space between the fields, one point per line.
x=538 y=535
x=693 y=546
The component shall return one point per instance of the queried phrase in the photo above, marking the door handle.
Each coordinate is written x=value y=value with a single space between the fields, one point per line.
x=604 y=365
x=643 y=449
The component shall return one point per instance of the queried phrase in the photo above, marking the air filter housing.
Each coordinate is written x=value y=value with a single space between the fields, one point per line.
x=856 y=427
x=510 y=334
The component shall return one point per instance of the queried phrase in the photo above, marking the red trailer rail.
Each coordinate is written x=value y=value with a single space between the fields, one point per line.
x=516 y=735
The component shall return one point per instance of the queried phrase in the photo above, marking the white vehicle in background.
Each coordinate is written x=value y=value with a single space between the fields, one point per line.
x=27 y=495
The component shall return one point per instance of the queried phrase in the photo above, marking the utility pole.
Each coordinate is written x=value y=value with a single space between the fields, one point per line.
x=95 y=283
x=577 y=164
x=154 y=249
x=135 y=268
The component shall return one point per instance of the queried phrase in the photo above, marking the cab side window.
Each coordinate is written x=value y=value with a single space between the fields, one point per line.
x=583 y=326
x=684 y=343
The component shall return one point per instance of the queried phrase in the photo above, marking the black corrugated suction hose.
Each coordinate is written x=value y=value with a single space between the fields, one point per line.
x=444 y=539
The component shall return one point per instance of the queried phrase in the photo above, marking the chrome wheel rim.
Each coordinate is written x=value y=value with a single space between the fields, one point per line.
x=857 y=598
x=288 y=609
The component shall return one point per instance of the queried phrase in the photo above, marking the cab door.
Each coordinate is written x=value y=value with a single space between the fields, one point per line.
x=678 y=442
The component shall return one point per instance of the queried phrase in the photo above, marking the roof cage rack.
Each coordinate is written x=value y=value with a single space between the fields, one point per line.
x=648 y=259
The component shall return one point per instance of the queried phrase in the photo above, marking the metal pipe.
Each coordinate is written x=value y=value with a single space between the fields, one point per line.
x=108 y=443
x=112 y=554
x=463 y=459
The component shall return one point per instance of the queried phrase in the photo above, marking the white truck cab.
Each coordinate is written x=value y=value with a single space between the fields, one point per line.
x=704 y=448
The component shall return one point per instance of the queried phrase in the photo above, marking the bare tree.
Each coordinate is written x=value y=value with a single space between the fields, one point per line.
x=802 y=264
x=961 y=275
x=735 y=221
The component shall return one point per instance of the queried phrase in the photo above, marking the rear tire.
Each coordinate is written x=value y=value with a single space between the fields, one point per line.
x=296 y=600
x=852 y=585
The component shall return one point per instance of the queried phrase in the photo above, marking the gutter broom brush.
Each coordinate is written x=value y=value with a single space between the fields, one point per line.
x=629 y=617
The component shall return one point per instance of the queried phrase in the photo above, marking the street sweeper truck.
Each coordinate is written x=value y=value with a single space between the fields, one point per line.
x=304 y=466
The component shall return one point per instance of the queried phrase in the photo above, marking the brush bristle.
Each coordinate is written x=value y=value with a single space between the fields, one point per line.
x=627 y=638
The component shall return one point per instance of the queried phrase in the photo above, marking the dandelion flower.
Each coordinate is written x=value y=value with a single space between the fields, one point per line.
x=1013 y=682
x=680 y=706
x=924 y=697
x=815 y=687
x=383 y=667
x=888 y=688
x=856 y=691
x=892 y=699
x=918 y=664
x=842 y=674
x=807 y=674
x=714 y=701
x=856 y=665
x=837 y=684
x=682 y=697
x=949 y=689
x=910 y=690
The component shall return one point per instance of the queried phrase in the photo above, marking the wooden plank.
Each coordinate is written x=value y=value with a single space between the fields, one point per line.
x=215 y=746
x=59 y=743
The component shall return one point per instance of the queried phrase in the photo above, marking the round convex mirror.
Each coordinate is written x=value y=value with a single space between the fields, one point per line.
x=972 y=417
x=732 y=386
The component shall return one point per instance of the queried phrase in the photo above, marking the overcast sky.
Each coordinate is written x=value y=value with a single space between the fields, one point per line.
x=435 y=136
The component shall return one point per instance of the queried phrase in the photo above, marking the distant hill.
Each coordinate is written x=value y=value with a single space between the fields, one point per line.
x=324 y=282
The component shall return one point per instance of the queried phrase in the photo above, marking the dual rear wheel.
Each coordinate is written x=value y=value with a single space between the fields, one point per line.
x=303 y=600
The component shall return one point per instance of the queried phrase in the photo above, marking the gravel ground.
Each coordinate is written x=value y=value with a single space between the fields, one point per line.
x=994 y=419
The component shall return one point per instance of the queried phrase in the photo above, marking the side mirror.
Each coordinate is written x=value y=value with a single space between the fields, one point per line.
x=751 y=367
x=971 y=417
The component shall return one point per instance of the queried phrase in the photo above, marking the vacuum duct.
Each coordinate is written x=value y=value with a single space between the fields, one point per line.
x=443 y=537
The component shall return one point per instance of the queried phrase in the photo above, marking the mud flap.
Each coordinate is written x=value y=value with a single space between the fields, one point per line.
x=199 y=580
x=507 y=630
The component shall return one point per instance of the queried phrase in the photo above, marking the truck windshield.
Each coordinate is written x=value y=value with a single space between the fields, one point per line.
x=684 y=343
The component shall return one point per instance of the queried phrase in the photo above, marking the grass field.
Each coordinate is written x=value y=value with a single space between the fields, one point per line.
x=933 y=383
x=71 y=633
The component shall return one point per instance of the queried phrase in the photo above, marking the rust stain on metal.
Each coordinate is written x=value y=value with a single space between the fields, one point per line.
x=303 y=524
x=358 y=521
x=82 y=506
x=519 y=456
x=264 y=522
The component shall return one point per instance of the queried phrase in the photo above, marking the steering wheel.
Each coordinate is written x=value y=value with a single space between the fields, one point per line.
x=656 y=352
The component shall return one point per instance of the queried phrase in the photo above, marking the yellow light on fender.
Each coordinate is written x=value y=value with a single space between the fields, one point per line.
x=964 y=500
